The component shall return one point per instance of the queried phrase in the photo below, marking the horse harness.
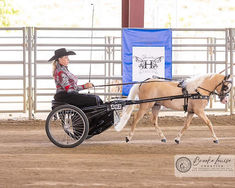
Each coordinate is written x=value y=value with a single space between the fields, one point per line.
x=223 y=92
x=224 y=89
x=185 y=94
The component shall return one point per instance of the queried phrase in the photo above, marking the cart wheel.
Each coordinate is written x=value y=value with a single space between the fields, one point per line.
x=67 y=126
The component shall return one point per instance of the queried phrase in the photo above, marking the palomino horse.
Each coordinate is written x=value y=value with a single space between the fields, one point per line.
x=203 y=85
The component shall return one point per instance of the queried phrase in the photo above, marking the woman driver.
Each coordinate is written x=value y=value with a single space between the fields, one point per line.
x=67 y=89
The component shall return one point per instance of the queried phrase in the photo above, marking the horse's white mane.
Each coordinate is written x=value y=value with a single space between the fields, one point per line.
x=194 y=82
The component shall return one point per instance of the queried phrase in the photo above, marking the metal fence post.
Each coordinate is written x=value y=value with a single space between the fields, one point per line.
x=231 y=42
x=109 y=65
x=226 y=58
x=24 y=70
x=29 y=29
x=34 y=95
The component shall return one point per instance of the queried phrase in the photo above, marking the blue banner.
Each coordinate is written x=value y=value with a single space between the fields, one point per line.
x=145 y=53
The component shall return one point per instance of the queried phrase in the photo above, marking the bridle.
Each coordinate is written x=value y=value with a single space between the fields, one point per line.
x=224 y=89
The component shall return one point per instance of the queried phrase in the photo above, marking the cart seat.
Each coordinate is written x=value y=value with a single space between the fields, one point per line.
x=56 y=103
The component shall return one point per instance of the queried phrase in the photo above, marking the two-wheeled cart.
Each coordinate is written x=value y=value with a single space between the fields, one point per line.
x=68 y=126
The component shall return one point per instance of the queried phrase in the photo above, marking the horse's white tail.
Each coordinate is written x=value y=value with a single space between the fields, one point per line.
x=127 y=110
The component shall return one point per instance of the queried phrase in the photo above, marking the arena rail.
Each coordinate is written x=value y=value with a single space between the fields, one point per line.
x=195 y=51
x=13 y=87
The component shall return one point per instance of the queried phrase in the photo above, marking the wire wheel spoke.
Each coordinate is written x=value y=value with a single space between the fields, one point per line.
x=67 y=126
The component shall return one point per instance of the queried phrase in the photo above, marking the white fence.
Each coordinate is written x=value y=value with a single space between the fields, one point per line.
x=25 y=75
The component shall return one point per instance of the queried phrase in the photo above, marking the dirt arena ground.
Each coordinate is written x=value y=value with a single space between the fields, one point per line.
x=29 y=159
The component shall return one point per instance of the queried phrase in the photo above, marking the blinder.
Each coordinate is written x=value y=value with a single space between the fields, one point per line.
x=225 y=88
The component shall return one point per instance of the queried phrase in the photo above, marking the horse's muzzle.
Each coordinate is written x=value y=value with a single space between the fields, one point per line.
x=224 y=99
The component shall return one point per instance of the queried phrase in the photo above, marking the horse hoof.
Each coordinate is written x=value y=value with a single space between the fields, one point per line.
x=216 y=141
x=177 y=141
x=163 y=140
x=127 y=139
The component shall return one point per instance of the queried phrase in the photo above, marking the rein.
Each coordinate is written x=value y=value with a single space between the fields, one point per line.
x=185 y=95
x=128 y=83
x=131 y=83
x=162 y=78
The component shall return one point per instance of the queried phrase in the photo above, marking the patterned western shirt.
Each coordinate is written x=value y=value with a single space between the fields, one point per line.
x=65 y=80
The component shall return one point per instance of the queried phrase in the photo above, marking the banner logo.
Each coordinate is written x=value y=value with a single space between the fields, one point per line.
x=148 y=62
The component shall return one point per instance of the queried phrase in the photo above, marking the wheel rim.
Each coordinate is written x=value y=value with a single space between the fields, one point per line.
x=67 y=126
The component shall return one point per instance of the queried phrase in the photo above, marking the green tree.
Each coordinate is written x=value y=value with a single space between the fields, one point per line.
x=168 y=23
x=6 y=11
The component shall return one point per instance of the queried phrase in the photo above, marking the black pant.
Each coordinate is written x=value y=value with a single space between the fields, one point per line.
x=77 y=99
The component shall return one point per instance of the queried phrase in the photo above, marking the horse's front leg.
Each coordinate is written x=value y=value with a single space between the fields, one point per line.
x=155 y=111
x=203 y=116
x=137 y=118
x=186 y=125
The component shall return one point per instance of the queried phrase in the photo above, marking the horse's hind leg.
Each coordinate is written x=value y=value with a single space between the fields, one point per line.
x=203 y=116
x=186 y=125
x=155 y=111
x=137 y=118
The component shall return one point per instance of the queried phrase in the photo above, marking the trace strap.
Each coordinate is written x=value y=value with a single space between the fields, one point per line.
x=131 y=102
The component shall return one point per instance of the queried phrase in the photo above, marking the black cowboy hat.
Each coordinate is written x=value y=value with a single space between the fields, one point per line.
x=60 y=53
